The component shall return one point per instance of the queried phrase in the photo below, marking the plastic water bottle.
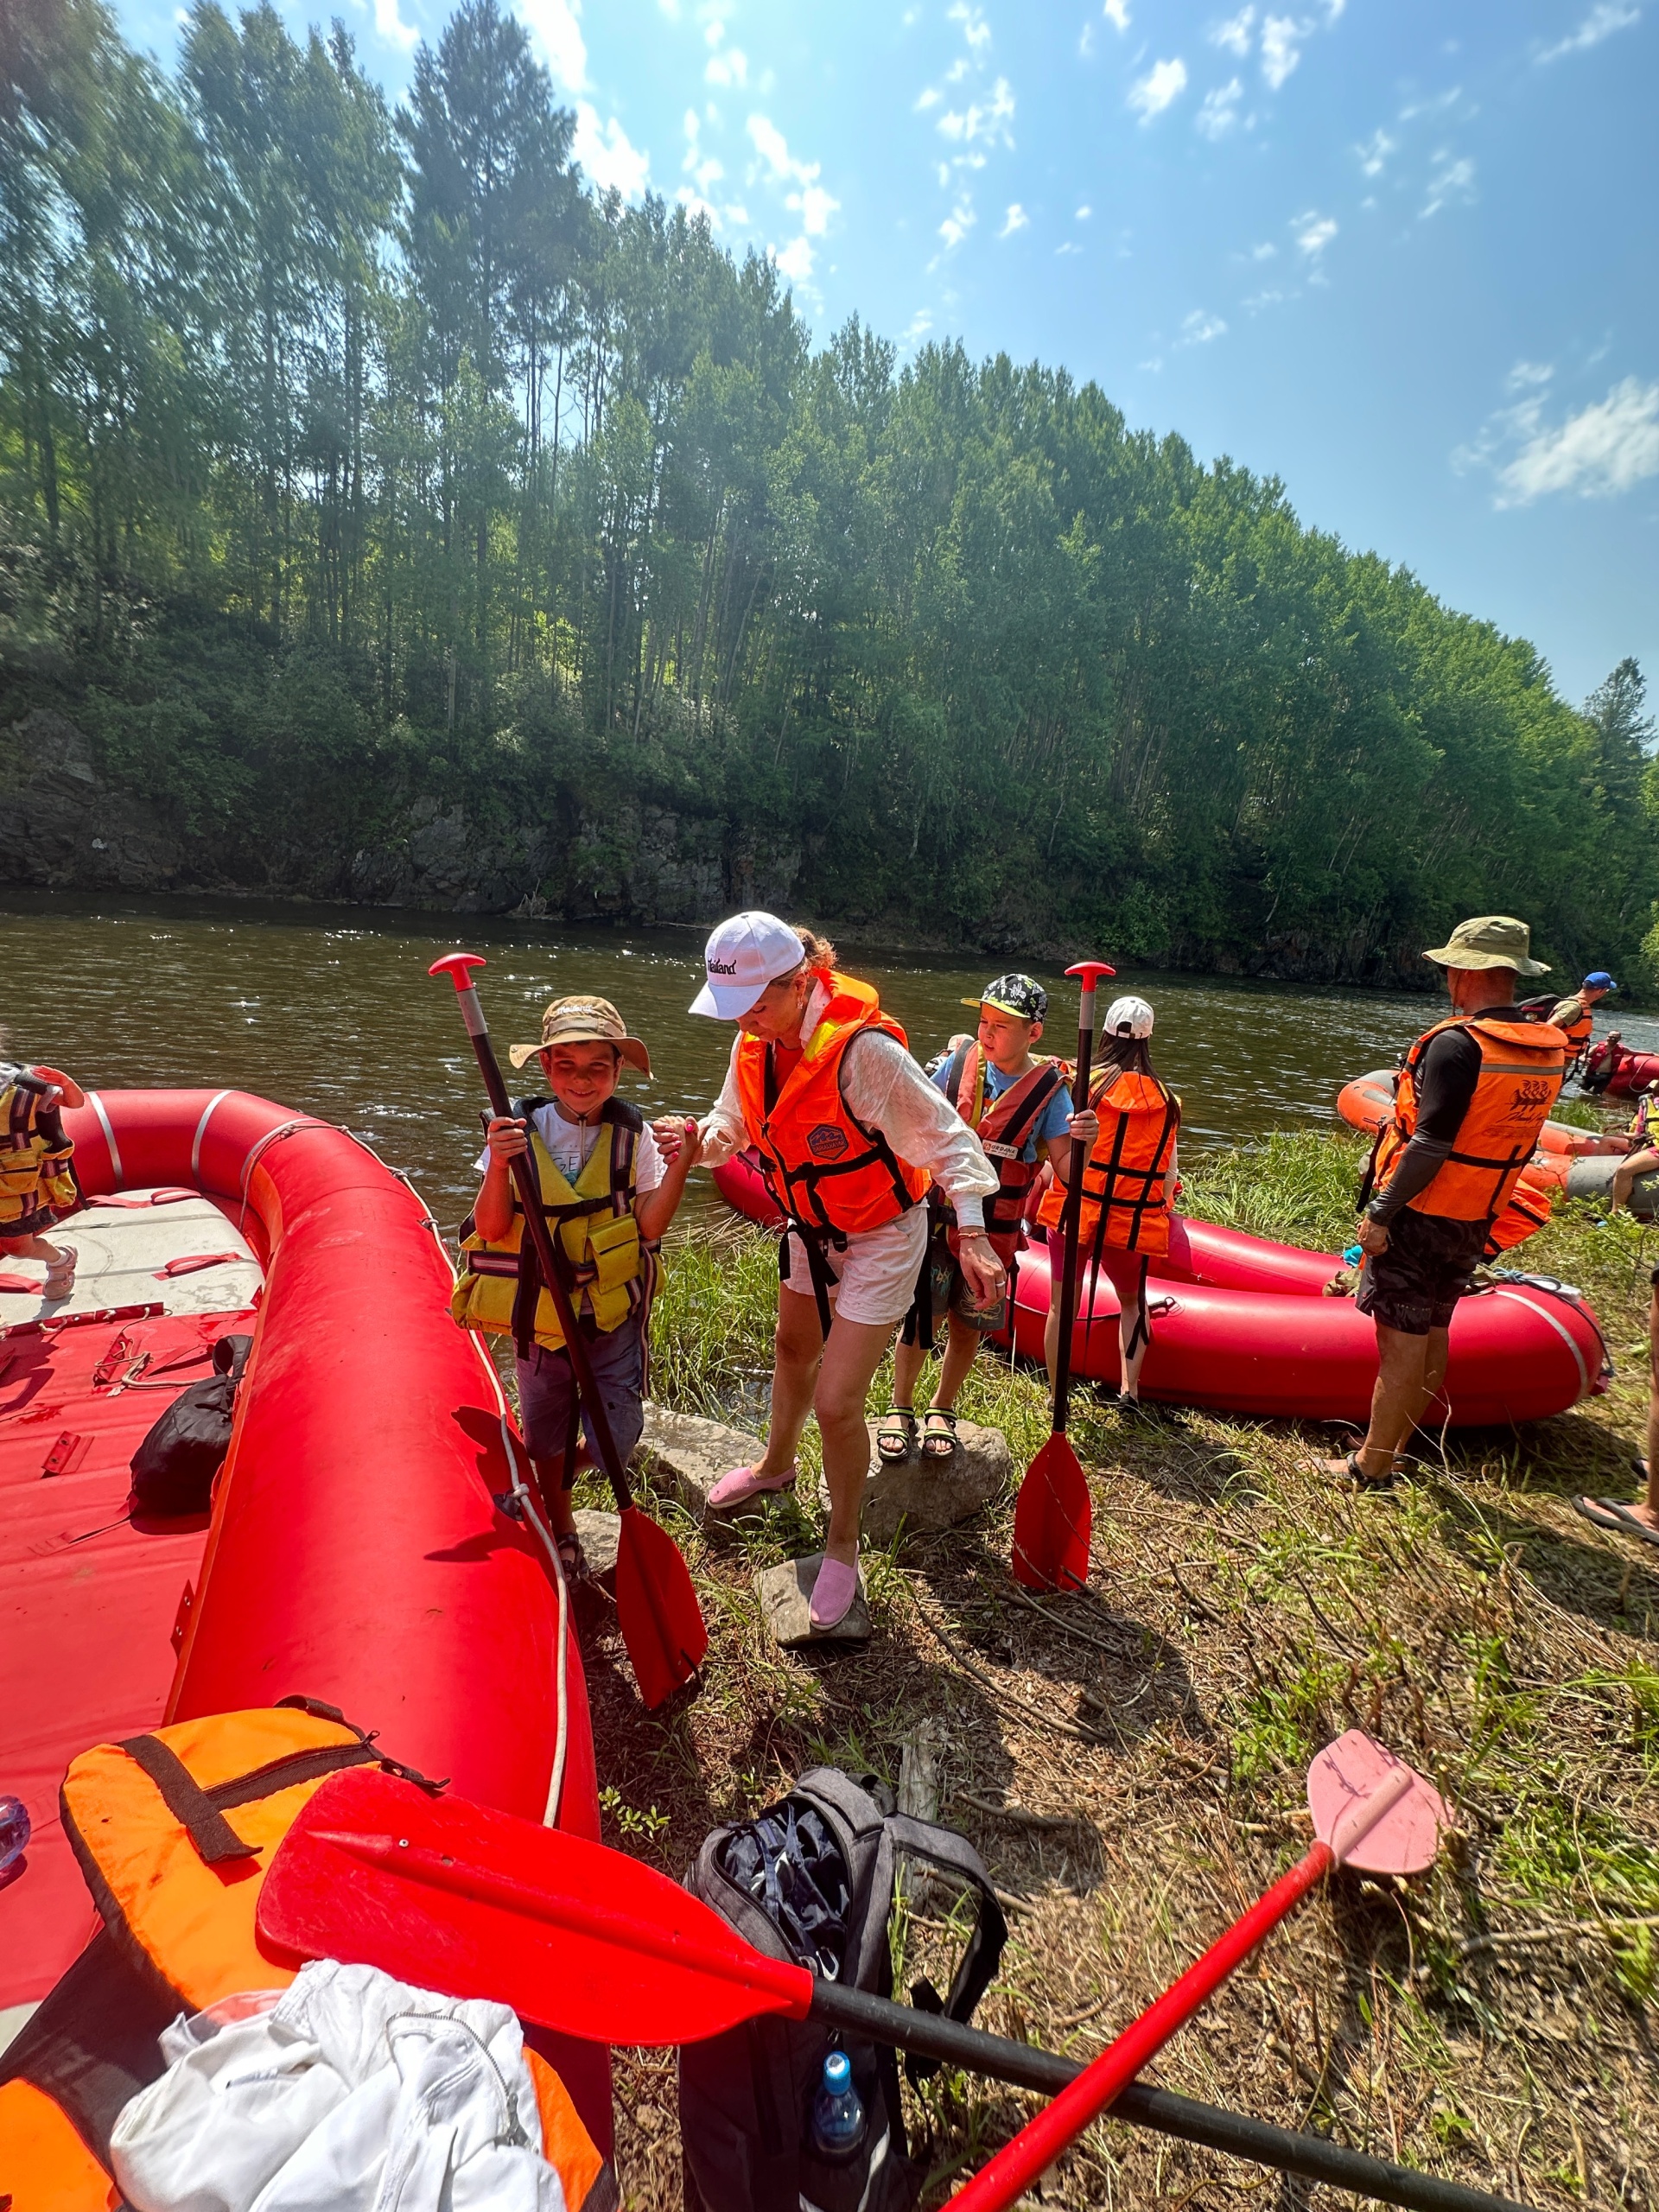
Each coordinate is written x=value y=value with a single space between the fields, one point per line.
x=15 y=1833
x=837 y=2112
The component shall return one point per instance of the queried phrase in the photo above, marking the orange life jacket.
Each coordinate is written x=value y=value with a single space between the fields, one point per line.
x=1005 y=1130
x=174 y=1832
x=1527 y=1211
x=823 y=1169
x=1522 y=1067
x=1125 y=1178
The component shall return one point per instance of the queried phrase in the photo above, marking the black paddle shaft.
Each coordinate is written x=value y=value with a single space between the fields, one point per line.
x=879 y=2019
x=1071 y=1218
x=549 y=1258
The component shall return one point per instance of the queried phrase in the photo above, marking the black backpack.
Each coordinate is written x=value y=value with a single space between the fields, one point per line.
x=812 y=1880
x=172 y=1469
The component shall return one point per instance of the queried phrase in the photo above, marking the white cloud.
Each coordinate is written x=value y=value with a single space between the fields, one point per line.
x=553 y=25
x=1068 y=245
x=1273 y=298
x=1234 y=33
x=808 y=199
x=1281 y=37
x=1527 y=376
x=1602 y=450
x=1219 y=113
x=930 y=97
x=1451 y=179
x=974 y=28
x=1609 y=15
x=605 y=153
x=796 y=261
x=1198 y=329
x=1116 y=13
x=730 y=66
x=1313 y=233
x=1374 y=152
x=1084 y=213
x=1163 y=83
x=958 y=224
x=989 y=122
x=1015 y=219
x=918 y=328
x=388 y=23
x=1264 y=252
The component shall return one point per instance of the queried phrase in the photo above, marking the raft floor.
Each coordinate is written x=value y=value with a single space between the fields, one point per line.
x=86 y=1620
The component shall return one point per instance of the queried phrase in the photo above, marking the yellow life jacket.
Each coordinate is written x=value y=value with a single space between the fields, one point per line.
x=174 y=1832
x=612 y=1270
x=37 y=1183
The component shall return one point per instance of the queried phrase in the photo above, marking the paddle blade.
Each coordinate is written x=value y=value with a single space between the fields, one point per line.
x=656 y=1606
x=452 y=1897
x=1347 y=1780
x=1052 y=1516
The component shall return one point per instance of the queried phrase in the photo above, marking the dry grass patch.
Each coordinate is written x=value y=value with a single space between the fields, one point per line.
x=1131 y=1761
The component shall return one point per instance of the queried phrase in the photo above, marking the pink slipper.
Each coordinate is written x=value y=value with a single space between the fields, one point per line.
x=743 y=1484
x=832 y=1595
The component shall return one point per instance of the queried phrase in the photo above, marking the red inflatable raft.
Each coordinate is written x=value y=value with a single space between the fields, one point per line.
x=356 y=1553
x=1243 y=1327
x=1616 y=1072
x=1367 y=1101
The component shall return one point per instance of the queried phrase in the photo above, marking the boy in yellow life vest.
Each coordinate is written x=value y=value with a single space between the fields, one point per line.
x=608 y=1193
x=37 y=1183
x=1017 y=1105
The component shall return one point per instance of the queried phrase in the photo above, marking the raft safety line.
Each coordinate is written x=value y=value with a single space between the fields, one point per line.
x=108 y=1128
x=1561 y=1329
x=217 y=1099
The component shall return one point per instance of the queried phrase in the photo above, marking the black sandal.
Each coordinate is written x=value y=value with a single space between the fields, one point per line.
x=1361 y=1480
x=895 y=1433
x=573 y=1560
x=944 y=1436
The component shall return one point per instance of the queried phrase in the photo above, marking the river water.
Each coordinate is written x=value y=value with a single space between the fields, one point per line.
x=330 y=1010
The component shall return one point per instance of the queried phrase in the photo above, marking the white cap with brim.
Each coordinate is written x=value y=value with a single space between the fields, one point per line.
x=743 y=957
x=1129 y=1014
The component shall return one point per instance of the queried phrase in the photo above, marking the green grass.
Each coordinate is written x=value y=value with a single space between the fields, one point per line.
x=1578 y=1113
x=1295 y=1186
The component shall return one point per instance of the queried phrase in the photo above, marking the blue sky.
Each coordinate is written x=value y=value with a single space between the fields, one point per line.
x=1402 y=254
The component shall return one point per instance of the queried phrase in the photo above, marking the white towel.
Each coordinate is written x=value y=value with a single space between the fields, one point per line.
x=350 y=2093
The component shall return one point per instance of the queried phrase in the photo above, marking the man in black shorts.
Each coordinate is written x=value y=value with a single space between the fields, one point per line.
x=1473 y=1094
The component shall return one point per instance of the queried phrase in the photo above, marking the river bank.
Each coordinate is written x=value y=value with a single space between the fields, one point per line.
x=552 y=851
x=1130 y=1761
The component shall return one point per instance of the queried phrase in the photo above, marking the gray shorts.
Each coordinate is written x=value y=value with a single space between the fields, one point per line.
x=547 y=1389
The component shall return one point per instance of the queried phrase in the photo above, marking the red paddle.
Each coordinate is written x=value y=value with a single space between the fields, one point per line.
x=656 y=1606
x=1371 y=1811
x=453 y=1897
x=1053 y=1513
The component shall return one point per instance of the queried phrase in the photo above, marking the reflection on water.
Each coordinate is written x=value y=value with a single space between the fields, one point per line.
x=330 y=1010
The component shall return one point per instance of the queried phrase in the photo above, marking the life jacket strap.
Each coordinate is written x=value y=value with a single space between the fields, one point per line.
x=215 y=1840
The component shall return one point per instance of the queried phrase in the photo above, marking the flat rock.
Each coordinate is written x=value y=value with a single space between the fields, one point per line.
x=786 y=1595
x=600 y=1533
x=687 y=1455
x=928 y=1494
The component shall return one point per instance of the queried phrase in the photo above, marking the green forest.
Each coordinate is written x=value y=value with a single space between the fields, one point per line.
x=358 y=463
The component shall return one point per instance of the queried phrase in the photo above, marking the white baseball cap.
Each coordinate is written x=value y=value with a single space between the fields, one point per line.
x=741 y=958
x=1131 y=1014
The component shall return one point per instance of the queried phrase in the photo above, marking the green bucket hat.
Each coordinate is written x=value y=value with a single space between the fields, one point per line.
x=1490 y=941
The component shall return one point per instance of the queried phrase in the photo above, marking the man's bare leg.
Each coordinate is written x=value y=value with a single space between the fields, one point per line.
x=1409 y=1372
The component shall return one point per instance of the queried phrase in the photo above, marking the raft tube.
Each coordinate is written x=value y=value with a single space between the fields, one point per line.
x=1366 y=1102
x=740 y=1183
x=356 y=1553
x=1613 y=1071
x=1248 y=1331
x=1239 y=1323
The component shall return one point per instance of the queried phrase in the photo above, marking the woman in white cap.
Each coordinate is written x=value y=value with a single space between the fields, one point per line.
x=1127 y=1180
x=851 y=1132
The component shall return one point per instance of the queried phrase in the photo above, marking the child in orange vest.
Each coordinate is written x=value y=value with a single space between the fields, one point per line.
x=37 y=1185
x=1128 y=1179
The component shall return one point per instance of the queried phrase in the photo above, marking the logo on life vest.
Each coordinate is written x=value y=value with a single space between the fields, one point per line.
x=1528 y=1095
x=826 y=1141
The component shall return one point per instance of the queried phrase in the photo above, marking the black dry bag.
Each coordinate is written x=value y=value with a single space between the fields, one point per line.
x=812 y=1880
x=172 y=1469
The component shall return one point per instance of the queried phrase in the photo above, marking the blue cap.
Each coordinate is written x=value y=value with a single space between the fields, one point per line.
x=1601 y=980
x=837 y=2072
